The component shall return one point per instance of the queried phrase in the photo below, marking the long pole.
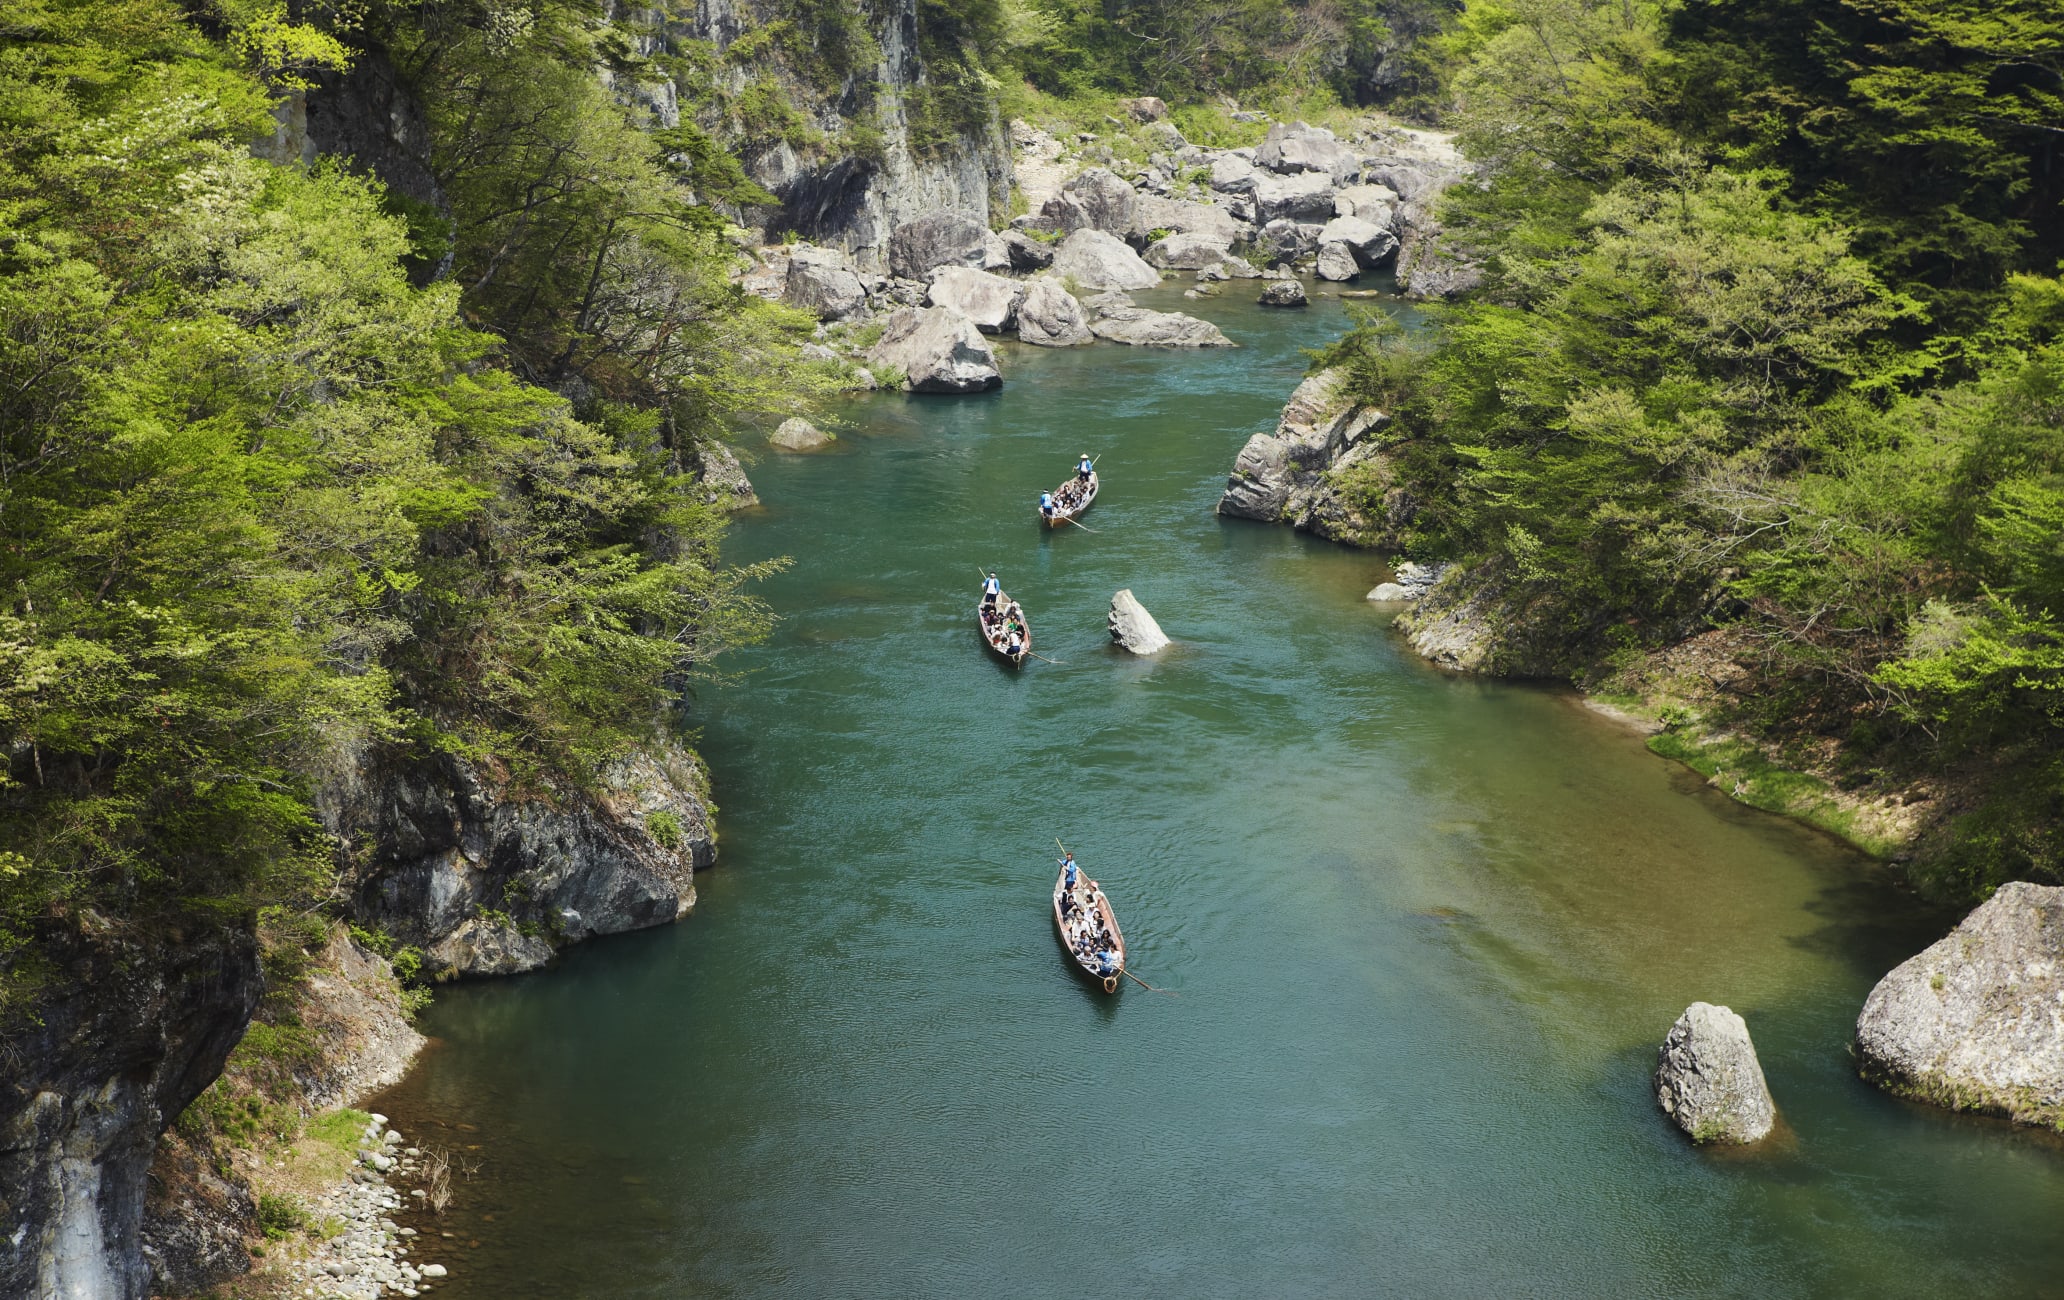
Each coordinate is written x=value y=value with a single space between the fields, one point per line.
x=1143 y=984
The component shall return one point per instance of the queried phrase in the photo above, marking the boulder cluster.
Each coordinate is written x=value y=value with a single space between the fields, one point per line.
x=921 y=311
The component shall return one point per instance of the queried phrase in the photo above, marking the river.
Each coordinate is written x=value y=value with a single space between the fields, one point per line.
x=1424 y=932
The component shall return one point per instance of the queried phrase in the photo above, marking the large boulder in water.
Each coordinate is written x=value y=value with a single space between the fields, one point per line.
x=1369 y=242
x=937 y=239
x=1156 y=329
x=1976 y=1022
x=1096 y=260
x=1709 y=1081
x=798 y=434
x=1133 y=628
x=938 y=350
x=1282 y=293
x=1050 y=317
x=990 y=301
x=1337 y=262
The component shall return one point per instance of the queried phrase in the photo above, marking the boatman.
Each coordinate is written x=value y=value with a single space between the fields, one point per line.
x=1046 y=505
x=1083 y=467
x=1068 y=872
x=991 y=589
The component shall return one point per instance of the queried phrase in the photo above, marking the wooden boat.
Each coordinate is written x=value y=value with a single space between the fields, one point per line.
x=994 y=637
x=1061 y=517
x=1116 y=940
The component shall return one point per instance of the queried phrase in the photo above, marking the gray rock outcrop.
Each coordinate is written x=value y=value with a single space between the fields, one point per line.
x=1708 y=1080
x=1976 y=1021
x=1283 y=476
x=822 y=281
x=1369 y=242
x=1409 y=582
x=798 y=434
x=128 y=1031
x=1049 y=316
x=1133 y=628
x=487 y=880
x=1301 y=196
x=990 y=301
x=1095 y=259
x=1140 y=327
x=1282 y=293
x=720 y=478
x=936 y=239
x=938 y=350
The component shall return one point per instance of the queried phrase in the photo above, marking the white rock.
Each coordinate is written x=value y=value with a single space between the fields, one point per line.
x=1232 y=174
x=1303 y=196
x=822 y=281
x=1133 y=628
x=1389 y=591
x=1157 y=329
x=1369 y=241
x=1183 y=252
x=433 y=1270
x=990 y=301
x=1297 y=147
x=1094 y=259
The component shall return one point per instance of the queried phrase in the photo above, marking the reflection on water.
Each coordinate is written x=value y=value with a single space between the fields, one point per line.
x=1425 y=932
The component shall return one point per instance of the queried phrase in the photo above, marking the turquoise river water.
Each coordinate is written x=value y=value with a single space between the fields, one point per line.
x=1426 y=933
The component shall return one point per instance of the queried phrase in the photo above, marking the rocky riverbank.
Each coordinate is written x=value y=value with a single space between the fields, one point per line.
x=918 y=309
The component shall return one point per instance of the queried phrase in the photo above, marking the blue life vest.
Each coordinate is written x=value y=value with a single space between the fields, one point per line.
x=1084 y=467
x=992 y=587
x=1046 y=500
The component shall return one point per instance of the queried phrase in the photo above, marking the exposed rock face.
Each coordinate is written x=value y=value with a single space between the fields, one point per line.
x=1285 y=240
x=822 y=281
x=1976 y=1021
x=990 y=301
x=1050 y=317
x=1094 y=259
x=937 y=239
x=1183 y=217
x=1156 y=329
x=1709 y=1081
x=798 y=434
x=938 y=350
x=443 y=853
x=131 y=1029
x=1410 y=583
x=1233 y=174
x=1429 y=266
x=723 y=481
x=1133 y=628
x=194 y=1222
x=1477 y=620
x=1146 y=108
x=1281 y=477
x=1375 y=204
x=1183 y=252
x=1282 y=293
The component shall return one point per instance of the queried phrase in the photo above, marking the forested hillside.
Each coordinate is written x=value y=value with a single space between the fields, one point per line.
x=1769 y=343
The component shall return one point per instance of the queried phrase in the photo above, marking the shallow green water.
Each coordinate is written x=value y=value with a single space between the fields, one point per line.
x=1427 y=933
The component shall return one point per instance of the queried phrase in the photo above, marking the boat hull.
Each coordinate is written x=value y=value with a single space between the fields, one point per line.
x=1110 y=982
x=1062 y=518
x=994 y=644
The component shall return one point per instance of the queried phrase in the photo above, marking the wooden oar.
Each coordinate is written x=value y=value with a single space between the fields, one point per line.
x=1084 y=527
x=1058 y=663
x=1143 y=984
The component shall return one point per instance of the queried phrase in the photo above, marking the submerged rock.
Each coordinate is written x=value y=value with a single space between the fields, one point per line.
x=1976 y=1021
x=1095 y=259
x=1133 y=628
x=798 y=434
x=1709 y=1081
x=938 y=350
x=1050 y=317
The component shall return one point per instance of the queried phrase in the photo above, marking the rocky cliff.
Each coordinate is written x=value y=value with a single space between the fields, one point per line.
x=865 y=156
x=131 y=1027
x=488 y=878
x=1294 y=474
